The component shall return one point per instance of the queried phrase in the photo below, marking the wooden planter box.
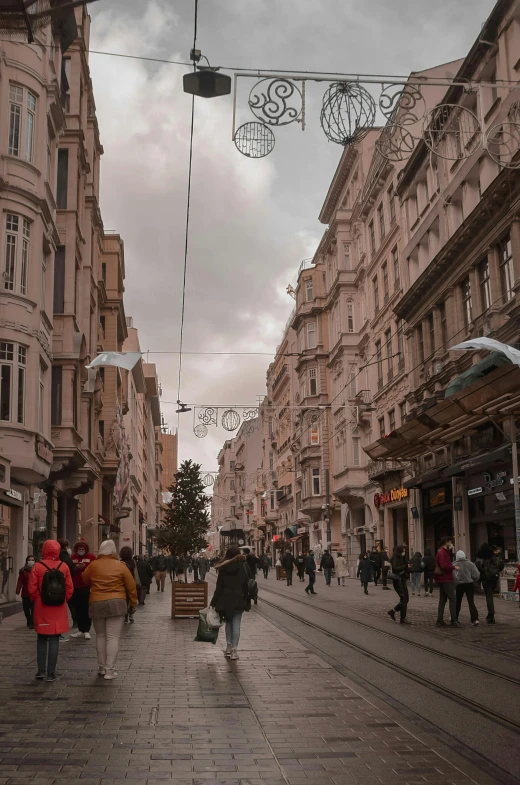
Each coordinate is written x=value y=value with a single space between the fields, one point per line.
x=281 y=575
x=188 y=599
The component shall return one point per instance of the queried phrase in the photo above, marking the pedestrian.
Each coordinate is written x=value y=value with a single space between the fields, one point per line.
x=252 y=561
x=327 y=565
x=444 y=569
x=50 y=586
x=264 y=564
x=341 y=569
x=181 y=569
x=357 y=568
x=516 y=587
x=160 y=567
x=310 y=569
x=145 y=572
x=126 y=556
x=65 y=557
x=81 y=558
x=300 y=566
x=375 y=558
x=415 y=566
x=365 y=571
x=399 y=578
x=195 y=565
x=466 y=577
x=171 y=563
x=288 y=563
x=429 y=572
x=231 y=598
x=385 y=568
x=111 y=588
x=203 y=568
x=22 y=587
x=490 y=566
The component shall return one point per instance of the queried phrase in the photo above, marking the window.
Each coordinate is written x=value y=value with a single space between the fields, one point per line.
x=356 y=448
x=43 y=284
x=388 y=352
x=101 y=429
x=313 y=381
x=231 y=485
x=353 y=381
x=104 y=273
x=420 y=343
x=400 y=344
x=59 y=280
x=346 y=255
x=48 y=163
x=391 y=203
x=309 y=297
x=382 y=431
x=391 y=420
x=62 y=183
x=17 y=237
x=372 y=235
x=13 y=362
x=395 y=265
x=385 y=281
x=41 y=398
x=22 y=362
x=444 y=325
x=379 y=359
x=311 y=335
x=431 y=331
x=22 y=111
x=381 y=220
x=375 y=285
x=350 y=317
x=402 y=412
x=316 y=482
x=507 y=275
x=466 y=301
x=485 y=284
x=315 y=434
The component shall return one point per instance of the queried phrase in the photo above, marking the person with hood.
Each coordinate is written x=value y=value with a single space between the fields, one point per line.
x=111 y=587
x=444 y=569
x=310 y=569
x=365 y=571
x=160 y=567
x=466 y=577
x=145 y=573
x=399 y=567
x=231 y=598
x=288 y=563
x=415 y=566
x=490 y=566
x=264 y=564
x=327 y=565
x=300 y=566
x=385 y=568
x=127 y=557
x=50 y=621
x=429 y=572
x=81 y=558
x=252 y=561
x=341 y=569
x=22 y=586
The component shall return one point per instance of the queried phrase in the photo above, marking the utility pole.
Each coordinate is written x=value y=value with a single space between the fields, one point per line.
x=327 y=505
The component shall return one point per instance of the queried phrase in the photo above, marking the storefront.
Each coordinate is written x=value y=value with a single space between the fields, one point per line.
x=15 y=537
x=392 y=505
x=437 y=509
x=491 y=510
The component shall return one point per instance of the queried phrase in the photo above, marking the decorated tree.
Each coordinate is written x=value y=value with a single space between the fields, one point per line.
x=187 y=518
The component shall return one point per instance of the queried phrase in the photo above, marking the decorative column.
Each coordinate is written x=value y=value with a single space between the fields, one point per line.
x=494 y=277
x=515 y=245
x=476 y=299
x=437 y=329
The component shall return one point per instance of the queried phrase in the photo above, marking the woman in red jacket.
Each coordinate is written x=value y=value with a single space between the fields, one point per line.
x=23 y=587
x=50 y=621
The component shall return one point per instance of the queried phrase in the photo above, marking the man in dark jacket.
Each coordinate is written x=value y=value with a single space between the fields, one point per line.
x=375 y=558
x=288 y=563
x=160 y=567
x=171 y=562
x=252 y=561
x=264 y=564
x=327 y=565
x=145 y=572
x=444 y=569
x=429 y=570
x=300 y=566
x=399 y=564
x=310 y=569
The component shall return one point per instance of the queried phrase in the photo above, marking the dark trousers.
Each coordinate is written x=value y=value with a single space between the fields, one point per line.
x=365 y=586
x=172 y=575
x=447 y=594
x=301 y=573
x=28 y=608
x=377 y=574
x=428 y=582
x=80 y=602
x=467 y=589
x=489 y=587
x=47 y=650
x=384 y=573
x=142 y=591
x=328 y=574
x=402 y=590
x=289 y=577
x=265 y=571
x=312 y=580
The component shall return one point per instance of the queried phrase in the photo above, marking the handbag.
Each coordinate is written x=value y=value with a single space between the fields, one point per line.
x=213 y=618
x=392 y=576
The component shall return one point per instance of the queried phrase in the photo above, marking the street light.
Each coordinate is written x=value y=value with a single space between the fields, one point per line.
x=206 y=82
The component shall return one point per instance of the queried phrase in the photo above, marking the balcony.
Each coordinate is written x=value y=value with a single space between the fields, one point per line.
x=382 y=468
x=272 y=516
x=280 y=376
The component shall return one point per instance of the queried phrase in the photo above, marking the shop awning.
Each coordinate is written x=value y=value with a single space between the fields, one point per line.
x=479 y=462
x=476 y=372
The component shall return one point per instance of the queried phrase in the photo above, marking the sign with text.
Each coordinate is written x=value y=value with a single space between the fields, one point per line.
x=395 y=495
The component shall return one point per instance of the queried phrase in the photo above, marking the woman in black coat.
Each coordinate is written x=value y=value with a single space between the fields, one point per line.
x=365 y=571
x=231 y=599
x=429 y=572
x=400 y=570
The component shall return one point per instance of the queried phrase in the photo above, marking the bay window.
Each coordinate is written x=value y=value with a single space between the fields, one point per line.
x=22 y=122
x=17 y=237
x=13 y=362
x=316 y=482
x=311 y=335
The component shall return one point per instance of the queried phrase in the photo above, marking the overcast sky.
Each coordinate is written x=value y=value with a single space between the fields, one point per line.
x=252 y=222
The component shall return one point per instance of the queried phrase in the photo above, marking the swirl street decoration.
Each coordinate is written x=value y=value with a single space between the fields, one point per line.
x=348 y=113
x=503 y=142
x=269 y=101
x=208 y=416
x=230 y=420
x=208 y=480
x=404 y=105
x=249 y=414
x=452 y=132
x=396 y=143
x=200 y=431
x=254 y=140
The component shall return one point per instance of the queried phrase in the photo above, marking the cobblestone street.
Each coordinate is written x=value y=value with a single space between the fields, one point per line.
x=180 y=711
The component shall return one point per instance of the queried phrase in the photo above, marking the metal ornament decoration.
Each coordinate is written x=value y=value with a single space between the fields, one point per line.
x=348 y=113
x=230 y=420
x=254 y=140
x=396 y=143
x=503 y=143
x=452 y=131
x=276 y=101
x=208 y=480
x=404 y=105
x=249 y=414
x=200 y=431
x=208 y=416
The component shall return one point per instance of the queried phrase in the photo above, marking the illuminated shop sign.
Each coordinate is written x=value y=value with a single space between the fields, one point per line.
x=395 y=495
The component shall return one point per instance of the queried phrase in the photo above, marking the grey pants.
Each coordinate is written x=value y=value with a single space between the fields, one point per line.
x=447 y=594
x=108 y=632
x=47 y=650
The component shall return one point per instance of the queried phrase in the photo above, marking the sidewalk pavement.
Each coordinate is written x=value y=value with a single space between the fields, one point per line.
x=181 y=712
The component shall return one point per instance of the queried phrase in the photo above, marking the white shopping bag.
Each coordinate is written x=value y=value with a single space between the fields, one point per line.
x=213 y=618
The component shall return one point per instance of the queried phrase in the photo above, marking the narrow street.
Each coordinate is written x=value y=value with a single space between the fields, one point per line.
x=284 y=714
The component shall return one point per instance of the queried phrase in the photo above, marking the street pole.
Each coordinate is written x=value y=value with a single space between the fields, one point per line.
x=514 y=452
x=327 y=502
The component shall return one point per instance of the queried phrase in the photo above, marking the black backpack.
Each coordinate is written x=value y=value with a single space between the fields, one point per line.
x=328 y=561
x=52 y=590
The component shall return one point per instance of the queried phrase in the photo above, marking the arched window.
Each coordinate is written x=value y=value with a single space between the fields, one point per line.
x=350 y=316
x=356 y=448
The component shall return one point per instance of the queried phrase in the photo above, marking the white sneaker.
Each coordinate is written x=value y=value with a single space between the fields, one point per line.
x=228 y=650
x=110 y=674
x=77 y=635
x=475 y=623
x=234 y=655
x=101 y=671
x=88 y=636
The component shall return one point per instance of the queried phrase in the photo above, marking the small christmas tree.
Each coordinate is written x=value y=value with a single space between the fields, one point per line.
x=187 y=518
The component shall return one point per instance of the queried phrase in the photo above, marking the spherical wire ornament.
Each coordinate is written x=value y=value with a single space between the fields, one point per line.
x=396 y=143
x=208 y=480
x=254 y=140
x=276 y=101
x=452 y=132
x=348 y=113
x=230 y=420
x=503 y=143
x=200 y=431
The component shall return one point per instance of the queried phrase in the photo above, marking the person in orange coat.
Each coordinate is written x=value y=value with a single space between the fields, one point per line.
x=50 y=621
